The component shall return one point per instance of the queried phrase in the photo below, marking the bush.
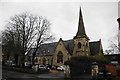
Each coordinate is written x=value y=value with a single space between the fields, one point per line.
x=87 y=59
x=82 y=64
x=67 y=75
x=101 y=59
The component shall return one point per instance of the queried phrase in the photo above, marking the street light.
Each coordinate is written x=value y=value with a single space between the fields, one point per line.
x=119 y=40
x=118 y=35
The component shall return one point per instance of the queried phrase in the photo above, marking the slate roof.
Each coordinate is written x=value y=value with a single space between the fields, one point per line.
x=48 y=48
x=94 y=47
x=69 y=45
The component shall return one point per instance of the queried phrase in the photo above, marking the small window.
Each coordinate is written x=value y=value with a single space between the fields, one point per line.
x=44 y=61
x=87 y=44
x=40 y=60
x=36 y=60
x=79 y=45
x=68 y=58
x=48 y=61
x=101 y=51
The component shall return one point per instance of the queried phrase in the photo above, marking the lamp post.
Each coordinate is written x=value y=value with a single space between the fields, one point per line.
x=118 y=34
x=118 y=40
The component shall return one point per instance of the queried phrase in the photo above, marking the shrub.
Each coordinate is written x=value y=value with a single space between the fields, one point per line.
x=82 y=64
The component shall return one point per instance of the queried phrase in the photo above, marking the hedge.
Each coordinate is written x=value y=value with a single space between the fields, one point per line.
x=87 y=59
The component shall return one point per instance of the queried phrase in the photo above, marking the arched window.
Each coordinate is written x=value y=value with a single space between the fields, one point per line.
x=51 y=60
x=101 y=51
x=79 y=45
x=40 y=60
x=44 y=61
x=36 y=60
x=60 y=57
x=48 y=61
x=68 y=58
x=86 y=44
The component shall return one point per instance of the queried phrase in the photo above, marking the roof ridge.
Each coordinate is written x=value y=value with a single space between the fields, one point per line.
x=94 y=41
x=68 y=40
x=49 y=43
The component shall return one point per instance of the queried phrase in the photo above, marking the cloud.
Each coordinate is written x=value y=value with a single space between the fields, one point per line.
x=99 y=18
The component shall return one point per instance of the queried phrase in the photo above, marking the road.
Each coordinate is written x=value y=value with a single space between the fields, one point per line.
x=0 y=70
x=56 y=75
x=49 y=76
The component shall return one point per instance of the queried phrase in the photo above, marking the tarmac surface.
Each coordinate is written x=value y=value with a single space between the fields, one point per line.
x=6 y=74
x=52 y=75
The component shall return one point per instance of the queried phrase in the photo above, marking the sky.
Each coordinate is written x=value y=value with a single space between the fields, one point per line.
x=100 y=18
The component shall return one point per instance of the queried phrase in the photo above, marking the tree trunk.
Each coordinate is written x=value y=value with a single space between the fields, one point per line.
x=33 y=57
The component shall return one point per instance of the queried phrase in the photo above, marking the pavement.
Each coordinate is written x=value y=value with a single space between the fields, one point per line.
x=0 y=70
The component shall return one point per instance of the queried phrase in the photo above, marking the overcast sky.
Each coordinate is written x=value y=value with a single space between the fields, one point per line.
x=99 y=18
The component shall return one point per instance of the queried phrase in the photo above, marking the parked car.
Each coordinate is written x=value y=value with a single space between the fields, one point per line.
x=43 y=68
x=40 y=68
x=60 y=68
x=10 y=63
x=105 y=75
x=54 y=67
x=13 y=64
x=28 y=64
x=48 y=66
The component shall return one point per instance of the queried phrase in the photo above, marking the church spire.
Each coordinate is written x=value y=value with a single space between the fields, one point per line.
x=81 y=29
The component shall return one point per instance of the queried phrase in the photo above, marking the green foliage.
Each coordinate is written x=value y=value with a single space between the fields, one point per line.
x=101 y=58
x=87 y=59
x=67 y=75
x=82 y=64
x=78 y=60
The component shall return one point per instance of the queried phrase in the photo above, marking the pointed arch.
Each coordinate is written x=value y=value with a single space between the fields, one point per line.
x=86 y=44
x=60 y=57
x=79 y=45
x=36 y=60
x=44 y=61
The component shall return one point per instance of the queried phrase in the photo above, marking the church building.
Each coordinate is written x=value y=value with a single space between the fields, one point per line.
x=57 y=53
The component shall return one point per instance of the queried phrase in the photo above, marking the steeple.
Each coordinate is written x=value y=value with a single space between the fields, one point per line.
x=81 y=29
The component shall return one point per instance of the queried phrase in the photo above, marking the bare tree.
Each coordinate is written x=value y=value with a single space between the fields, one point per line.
x=27 y=31
x=115 y=44
x=113 y=47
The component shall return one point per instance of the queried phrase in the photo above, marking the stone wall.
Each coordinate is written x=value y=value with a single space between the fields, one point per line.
x=84 y=50
x=60 y=47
